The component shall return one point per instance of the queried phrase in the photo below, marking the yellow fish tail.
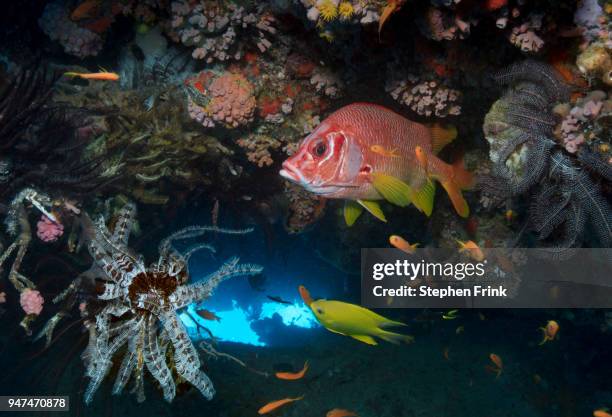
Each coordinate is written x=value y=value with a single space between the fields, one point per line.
x=546 y=338
x=368 y=340
x=394 y=338
x=390 y=323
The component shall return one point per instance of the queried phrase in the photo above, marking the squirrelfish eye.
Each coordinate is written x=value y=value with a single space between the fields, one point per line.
x=320 y=149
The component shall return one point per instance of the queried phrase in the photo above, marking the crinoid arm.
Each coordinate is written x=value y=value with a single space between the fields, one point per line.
x=204 y=288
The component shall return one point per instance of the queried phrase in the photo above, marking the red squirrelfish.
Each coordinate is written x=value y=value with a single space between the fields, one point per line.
x=336 y=161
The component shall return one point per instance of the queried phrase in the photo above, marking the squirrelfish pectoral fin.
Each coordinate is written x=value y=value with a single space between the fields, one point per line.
x=441 y=135
x=392 y=189
x=374 y=209
x=365 y=339
x=352 y=211
x=423 y=198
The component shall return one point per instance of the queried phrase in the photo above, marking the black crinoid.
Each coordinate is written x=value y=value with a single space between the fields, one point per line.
x=40 y=144
x=562 y=190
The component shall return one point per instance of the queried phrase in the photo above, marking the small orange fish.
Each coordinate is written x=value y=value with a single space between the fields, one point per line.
x=391 y=7
x=402 y=244
x=497 y=360
x=339 y=412
x=305 y=294
x=381 y=150
x=446 y=353
x=292 y=376
x=550 y=331
x=101 y=76
x=208 y=315
x=509 y=215
x=277 y=404
x=602 y=412
x=85 y=10
x=472 y=249
x=421 y=158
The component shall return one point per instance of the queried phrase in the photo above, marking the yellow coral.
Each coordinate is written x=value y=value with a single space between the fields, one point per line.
x=328 y=10
x=346 y=10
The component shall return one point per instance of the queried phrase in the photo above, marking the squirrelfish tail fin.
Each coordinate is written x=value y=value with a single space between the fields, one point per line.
x=458 y=179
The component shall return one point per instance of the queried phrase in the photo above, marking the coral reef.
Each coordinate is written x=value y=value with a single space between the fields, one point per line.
x=48 y=230
x=304 y=208
x=76 y=40
x=328 y=13
x=582 y=123
x=31 y=301
x=213 y=28
x=258 y=149
x=226 y=98
x=426 y=98
x=440 y=25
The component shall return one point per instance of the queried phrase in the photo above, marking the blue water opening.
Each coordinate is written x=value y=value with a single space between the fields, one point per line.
x=235 y=324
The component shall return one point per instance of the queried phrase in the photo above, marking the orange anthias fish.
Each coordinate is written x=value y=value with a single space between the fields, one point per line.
x=305 y=294
x=292 y=376
x=391 y=7
x=384 y=152
x=550 y=331
x=602 y=412
x=336 y=161
x=101 y=76
x=472 y=249
x=208 y=315
x=498 y=363
x=339 y=412
x=87 y=9
x=402 y=244
x=277 y=404
x=421 y=158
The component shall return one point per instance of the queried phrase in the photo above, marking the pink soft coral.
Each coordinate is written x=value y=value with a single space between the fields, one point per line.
x=47 y=230
x=31 y=301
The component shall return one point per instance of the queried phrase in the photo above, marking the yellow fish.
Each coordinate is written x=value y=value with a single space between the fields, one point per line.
x=353 y=320
x=450 y=315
